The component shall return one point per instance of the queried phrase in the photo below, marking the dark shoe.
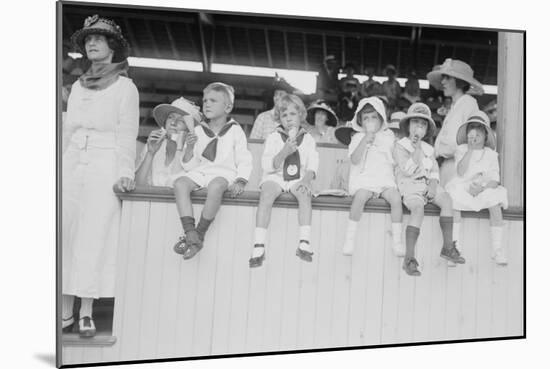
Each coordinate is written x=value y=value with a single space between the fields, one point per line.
x=180 y=247
x=194 y=245
x=410 y=266
x=452 y=254
x=258 y=260
x=303 y=254
x=67 y=324
x=86 y=327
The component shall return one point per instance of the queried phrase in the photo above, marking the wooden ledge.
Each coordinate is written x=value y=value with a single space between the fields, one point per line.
x=101 y=340
x=251 y=198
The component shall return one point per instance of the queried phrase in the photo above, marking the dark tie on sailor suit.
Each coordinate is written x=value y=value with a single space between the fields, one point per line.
x=211 y=149
x=291 y=165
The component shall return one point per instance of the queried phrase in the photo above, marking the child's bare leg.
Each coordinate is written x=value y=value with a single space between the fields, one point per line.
x=497 y=228
x=268 y=195
x=304 y=218
x=393 y=197
x=356 y=211
x=183 y=187
x=214 y=197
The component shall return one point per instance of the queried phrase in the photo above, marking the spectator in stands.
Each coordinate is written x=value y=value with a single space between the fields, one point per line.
x=394 y=124
x=457 y=81
x=392 y=88
x=161 y=158
x=411 y=93
x=327 y=80
x=418 y=181
x=372 y=170
x=217 y=159
x=323 y=120
x=366 y=85
x=476 y=185
x=102 y=126
x=266 y=122
x=491 y=111
x=349 y=96
x=289 y=162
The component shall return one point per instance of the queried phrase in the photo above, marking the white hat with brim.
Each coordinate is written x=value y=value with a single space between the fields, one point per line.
x=418 y=110
x=457 y=69
x=395 y=120
x=331 y=116
x=481 y=118
x=181 y=106
x=377 y=104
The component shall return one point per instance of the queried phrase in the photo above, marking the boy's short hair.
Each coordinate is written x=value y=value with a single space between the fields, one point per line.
x=288 y=100
x=226 y=89
x=368 y=108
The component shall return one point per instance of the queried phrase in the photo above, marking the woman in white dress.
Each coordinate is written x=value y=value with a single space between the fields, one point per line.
x=160 y=159
x=101 y=129
x=476 y=185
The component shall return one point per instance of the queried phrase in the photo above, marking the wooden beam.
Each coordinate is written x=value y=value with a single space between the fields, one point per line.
x=324 y=47
x=304 y=40
x=171 y=39
x=343 y=52
x=285 y=42
x=249 y=46
x=397 y=65
x=436 y=55
x=152 y=37
x=191 y=39
x=379 y=56
x=204 y=53
x=268 y=48
x=230 y=43
x=362 y=51
x=133 y=41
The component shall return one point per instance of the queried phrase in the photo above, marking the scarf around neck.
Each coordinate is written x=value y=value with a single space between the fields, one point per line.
x=291 y=165
x=100 y=76
x=211 y=149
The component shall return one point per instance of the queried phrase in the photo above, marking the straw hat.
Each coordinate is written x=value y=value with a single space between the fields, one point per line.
x=396 y=119
x=481 y=118
x=94 y=25
x=321 y=105
x=418 y=110
x=181 y=106
x=457 y=69
x=377 y=104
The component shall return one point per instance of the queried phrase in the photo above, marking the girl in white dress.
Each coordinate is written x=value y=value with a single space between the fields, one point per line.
x=161 y=158
x=101 y=130
x=372 y=170
x=476 y=185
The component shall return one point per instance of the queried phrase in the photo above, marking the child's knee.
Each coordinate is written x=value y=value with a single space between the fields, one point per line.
x=394 y=198
x=268 y=195
x=182 y=185
x=217 y=186
x=416 y=208
x=362 y=196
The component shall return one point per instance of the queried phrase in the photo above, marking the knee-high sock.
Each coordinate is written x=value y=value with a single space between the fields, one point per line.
x=203 y=225
x=188 y=223
x=446 y=224
x=86 y=307
x=411 y=236
x=456 y=234
x=67 y=305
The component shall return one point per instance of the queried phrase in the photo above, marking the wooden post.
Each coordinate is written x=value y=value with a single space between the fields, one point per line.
x=510 y=122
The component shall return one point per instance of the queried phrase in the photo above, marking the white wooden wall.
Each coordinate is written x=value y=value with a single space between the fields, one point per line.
x=214 y=304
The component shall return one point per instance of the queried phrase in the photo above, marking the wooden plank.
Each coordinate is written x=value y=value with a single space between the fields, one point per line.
x=206 y=275
x=515 y=302
x=390 y=292
x=453 y=295
x=374 y=279
x=126 y=228
x=405 y=313
x=133 y=292
x=289 y=323
x=224 y=288
x=438 y=275
x=307 y=308
x=424 y=254
x=274 y=264
x=359 y=265
x=470 y=249
x=342 y=284
x=484 y=286
x=499 y=287
x=152 y=282
x=240 y=282
x=92 y=354
x=73 y=355
x=176 y=301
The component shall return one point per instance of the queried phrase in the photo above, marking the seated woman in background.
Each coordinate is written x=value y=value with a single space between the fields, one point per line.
x=161 y=158
x=323 y=121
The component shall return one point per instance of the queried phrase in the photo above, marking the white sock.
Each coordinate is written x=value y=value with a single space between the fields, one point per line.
x=349 y=242
x=67 y=304
x=86 y=304
x=305 y=234
x=456 y=234
x=260 y=235
x=396 y=233
x=496 y=238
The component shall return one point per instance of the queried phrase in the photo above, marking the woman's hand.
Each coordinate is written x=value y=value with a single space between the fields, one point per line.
x=304 y=186
x=125 y=184
x=236 y=188
x=155 y=140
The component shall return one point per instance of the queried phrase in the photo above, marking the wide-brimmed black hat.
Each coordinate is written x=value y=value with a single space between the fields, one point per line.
x=95 y=25
x=321 y=105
